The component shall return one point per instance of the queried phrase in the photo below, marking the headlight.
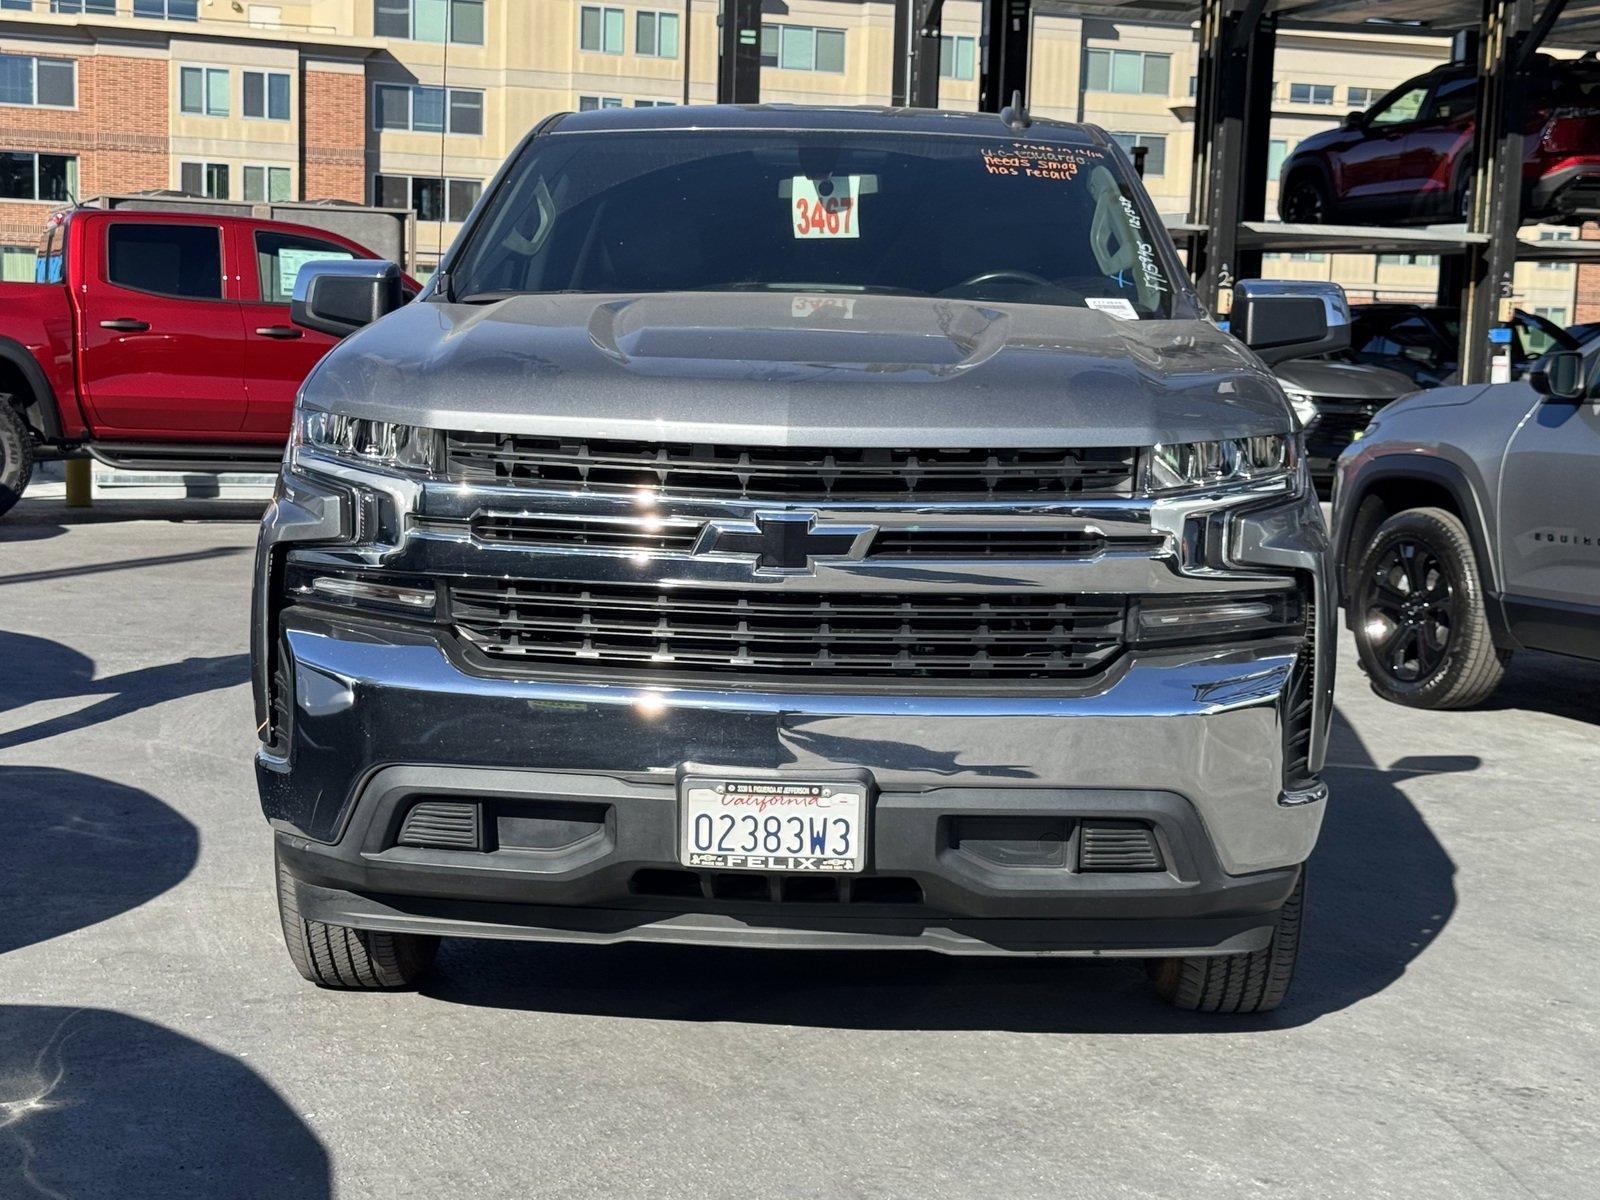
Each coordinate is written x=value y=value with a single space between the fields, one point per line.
x=1303 y=403
x=370 y=443
x=1181 y=466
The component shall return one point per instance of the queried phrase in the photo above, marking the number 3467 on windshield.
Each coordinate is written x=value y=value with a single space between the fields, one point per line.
x=832 y=216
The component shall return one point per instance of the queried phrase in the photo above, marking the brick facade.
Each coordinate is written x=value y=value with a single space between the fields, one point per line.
x=118 y=131
x=1586 y=299
x=333 y=107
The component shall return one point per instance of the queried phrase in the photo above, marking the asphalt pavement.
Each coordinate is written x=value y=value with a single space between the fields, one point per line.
x=1440 y=1041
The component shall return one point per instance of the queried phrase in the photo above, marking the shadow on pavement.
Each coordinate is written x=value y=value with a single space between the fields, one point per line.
x=100 y=1104
x=1381 y=888
x=55 y=516
x=1549 y=683
x=41 y=669
x=79 y=850
x=123 y=564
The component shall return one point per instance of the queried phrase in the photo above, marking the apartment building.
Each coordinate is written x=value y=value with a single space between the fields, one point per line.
x=415 y=103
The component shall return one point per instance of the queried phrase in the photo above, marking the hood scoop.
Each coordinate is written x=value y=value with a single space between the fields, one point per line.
x=790 y=336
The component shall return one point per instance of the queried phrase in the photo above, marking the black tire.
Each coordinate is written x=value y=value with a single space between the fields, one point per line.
x=332 y=956
x=16 y=455
x=1255 y=982
x=1416 y=600
x=1306 y=201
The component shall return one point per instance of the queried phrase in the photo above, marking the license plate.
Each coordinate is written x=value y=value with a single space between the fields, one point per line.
x=746 y=825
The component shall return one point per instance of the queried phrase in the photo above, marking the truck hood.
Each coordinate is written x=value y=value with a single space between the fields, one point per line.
x=789 y=369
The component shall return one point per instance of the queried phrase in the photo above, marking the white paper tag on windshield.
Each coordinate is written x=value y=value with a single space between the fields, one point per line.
x=825 y=208
x=1113 y=306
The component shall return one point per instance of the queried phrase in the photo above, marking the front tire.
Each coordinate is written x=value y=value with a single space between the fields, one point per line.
x=332 y=956
x=1306 y=201
x=1254 y=982
x=1417 y=601
x=16 y=455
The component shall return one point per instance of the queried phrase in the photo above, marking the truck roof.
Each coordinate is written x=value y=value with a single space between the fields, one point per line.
x=825 y=118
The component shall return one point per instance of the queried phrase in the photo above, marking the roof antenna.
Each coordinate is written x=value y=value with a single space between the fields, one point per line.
x=1014 y=115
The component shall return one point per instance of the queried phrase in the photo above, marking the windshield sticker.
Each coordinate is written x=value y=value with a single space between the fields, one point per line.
x=826 y=208
x=1030 y=161
x=1113 y=306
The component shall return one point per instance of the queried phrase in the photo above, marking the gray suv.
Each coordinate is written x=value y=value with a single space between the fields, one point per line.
x=808 y=528
x=1465 y=532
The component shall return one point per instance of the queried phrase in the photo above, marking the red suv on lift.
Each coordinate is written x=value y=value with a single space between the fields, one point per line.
x=1408 y=158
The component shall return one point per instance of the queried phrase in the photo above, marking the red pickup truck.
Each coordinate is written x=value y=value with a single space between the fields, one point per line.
x=156 y=339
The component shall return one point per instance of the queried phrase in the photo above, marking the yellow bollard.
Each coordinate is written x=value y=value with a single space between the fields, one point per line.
x=80 y=489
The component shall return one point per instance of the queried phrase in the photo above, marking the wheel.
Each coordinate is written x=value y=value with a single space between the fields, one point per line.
x=332 y=956
x=1306 y=201
x=1420 y=627
x=16 y=455
x=1253 y=982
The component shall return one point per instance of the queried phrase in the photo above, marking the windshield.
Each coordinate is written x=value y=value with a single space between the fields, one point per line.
x=905 y=214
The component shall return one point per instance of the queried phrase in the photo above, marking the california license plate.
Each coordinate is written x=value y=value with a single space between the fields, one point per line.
x=768 y=825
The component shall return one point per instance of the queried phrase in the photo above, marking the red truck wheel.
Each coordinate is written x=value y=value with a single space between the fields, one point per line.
x=16 y=455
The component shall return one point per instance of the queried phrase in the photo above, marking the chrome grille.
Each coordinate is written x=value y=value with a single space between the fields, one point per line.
x=692 y=631
x=786 y=472
x=679 y=535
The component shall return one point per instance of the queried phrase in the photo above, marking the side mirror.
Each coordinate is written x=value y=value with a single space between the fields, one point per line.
x=338 y=297
x=1559 y=375
x=1354 y=121
x=1282 y=319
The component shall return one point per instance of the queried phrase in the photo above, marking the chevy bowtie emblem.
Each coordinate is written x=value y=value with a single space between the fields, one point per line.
x=785 y=541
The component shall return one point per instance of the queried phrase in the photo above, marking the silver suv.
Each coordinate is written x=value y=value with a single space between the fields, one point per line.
x=799 y=528
x=1467 y=529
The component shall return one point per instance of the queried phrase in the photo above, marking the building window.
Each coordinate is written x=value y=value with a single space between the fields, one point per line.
x=1130 y=71
x=1277 y=151
x=802 y=48
x=1311 y=93
x=93 y=8
x=266 y=95
x=1408 y=260
x=18 y=264
x=204 y=179
x=654 y=103
x=590 y=103
x=423 y=109
x=167 y=10
x=1556 y=235
x=430 y=197
x=1361 y=97
x=1308 y=256
x=600 y=29
x=458 y=21
x=1155 y=152
x=956 y=57
x=655 y=35
x=203 y=91
x=268 y=185
x=1555 y=314
x=28 y=176
x=38 y=82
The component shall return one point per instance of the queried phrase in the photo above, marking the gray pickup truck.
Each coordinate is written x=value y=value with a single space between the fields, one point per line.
x=1466 y=530
x=794 y=527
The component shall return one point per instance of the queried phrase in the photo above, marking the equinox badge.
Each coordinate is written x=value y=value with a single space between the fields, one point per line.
x=785 y=542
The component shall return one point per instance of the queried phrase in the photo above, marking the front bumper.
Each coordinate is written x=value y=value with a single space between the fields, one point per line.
x=1188 y=743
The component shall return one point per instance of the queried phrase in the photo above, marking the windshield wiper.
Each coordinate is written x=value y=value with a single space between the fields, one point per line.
x=490 y=297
